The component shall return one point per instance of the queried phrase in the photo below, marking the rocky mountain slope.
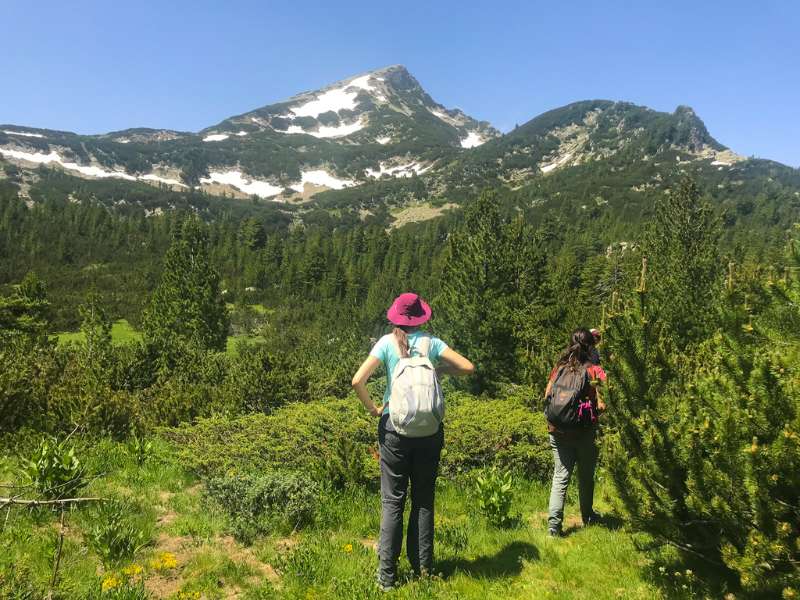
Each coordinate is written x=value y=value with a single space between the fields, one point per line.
x=375 y=124
x=377 y=140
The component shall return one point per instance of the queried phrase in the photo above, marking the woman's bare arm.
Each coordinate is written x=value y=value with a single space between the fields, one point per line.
x=454 y=364
x=548 y=388
x=360 y=379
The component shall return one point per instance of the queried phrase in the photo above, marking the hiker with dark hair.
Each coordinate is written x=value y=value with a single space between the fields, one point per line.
x=572 y=405
x=410 y=430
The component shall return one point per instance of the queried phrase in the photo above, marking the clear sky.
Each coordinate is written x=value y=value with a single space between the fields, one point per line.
x=98 y=66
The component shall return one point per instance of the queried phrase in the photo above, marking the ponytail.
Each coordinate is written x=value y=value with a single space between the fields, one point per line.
x=402 y=341
x=578 y=352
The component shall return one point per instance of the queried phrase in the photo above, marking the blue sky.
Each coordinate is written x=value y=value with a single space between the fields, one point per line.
x=92 y=67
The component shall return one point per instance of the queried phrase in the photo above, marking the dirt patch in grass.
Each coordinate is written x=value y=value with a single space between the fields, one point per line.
x=185 y=548
x=161 y=586
x=238 y=553
x=415 y=213
x=285 y=544
x=176 y=544
x=194 y=490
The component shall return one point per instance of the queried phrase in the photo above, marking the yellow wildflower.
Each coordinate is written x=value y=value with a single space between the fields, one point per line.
x=132 y=570
x=689 y=572
x=348 y=548
x=789 y=593
x=164 y=561
x=110 y=582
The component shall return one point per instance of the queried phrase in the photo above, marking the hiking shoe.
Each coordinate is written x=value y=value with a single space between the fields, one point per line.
x=593 y=519
x=553 y=532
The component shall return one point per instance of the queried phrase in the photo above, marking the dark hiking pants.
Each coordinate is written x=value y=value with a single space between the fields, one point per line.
x=405 y=459
x=569 y=450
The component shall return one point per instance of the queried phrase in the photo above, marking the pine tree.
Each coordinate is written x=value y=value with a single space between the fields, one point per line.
x=186 y=310
x=705 y=438
x=24 y=313
x=681 y=246
x=96 y=328
x=490 y=269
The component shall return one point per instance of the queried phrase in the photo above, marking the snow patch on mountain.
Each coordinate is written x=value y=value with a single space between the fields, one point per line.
x=383 y=140
x=402 y=170
x=94 y=171
x=241 y=133
x=336 y=99
x=362 y=82
x=472 y=140
x=326 y=131
x=322 y=178
x=216 y=137
x=246 y=184
x=23 y=133
x=560 y=161
x=54 y=157
x=167 y=180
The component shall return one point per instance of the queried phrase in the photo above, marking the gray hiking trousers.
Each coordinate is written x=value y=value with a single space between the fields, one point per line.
x=405 y=459
x=569 y=450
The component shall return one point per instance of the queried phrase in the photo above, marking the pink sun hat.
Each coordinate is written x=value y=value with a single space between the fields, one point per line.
x=408 y=309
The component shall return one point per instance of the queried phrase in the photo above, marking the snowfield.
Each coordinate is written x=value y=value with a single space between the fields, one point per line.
x=406 y=170
x=473 y=139
x=325 y=131
x=336 y=99
x=322 y=178
x=89 y=171
x=167 y=180
x=216 y=137
x=54 y=157
x=246 y=184
x=561 y=160
x=24 y=133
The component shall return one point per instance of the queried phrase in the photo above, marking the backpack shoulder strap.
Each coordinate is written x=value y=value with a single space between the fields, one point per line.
x=423 y=346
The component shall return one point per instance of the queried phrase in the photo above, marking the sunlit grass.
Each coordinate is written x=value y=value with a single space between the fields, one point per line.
x=334 y=558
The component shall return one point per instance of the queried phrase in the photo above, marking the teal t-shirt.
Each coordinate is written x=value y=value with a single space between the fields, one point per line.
x=385 y=350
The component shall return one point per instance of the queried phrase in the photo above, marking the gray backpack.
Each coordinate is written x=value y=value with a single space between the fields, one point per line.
x=416 y=405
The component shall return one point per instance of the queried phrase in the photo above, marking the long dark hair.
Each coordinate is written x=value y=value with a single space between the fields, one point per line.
x=579 y=349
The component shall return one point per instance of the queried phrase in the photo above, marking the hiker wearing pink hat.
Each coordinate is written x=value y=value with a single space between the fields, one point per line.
x=410 y=430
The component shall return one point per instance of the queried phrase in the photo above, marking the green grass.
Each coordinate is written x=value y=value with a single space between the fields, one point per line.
x=189 y=550
x=122 y=332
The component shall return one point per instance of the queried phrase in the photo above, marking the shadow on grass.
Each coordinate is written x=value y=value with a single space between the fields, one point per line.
x=506 y=562
x=610 y=522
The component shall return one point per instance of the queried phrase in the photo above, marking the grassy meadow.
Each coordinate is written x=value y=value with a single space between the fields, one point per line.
x=123 y=332
x=185 y=548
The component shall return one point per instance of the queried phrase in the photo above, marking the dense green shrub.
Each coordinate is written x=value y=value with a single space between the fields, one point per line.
x=506 y=432
x=264 y=503
x=28 y=371
x=259 y=380
x=333 y=439
x=300 y=437
x=189 y=391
